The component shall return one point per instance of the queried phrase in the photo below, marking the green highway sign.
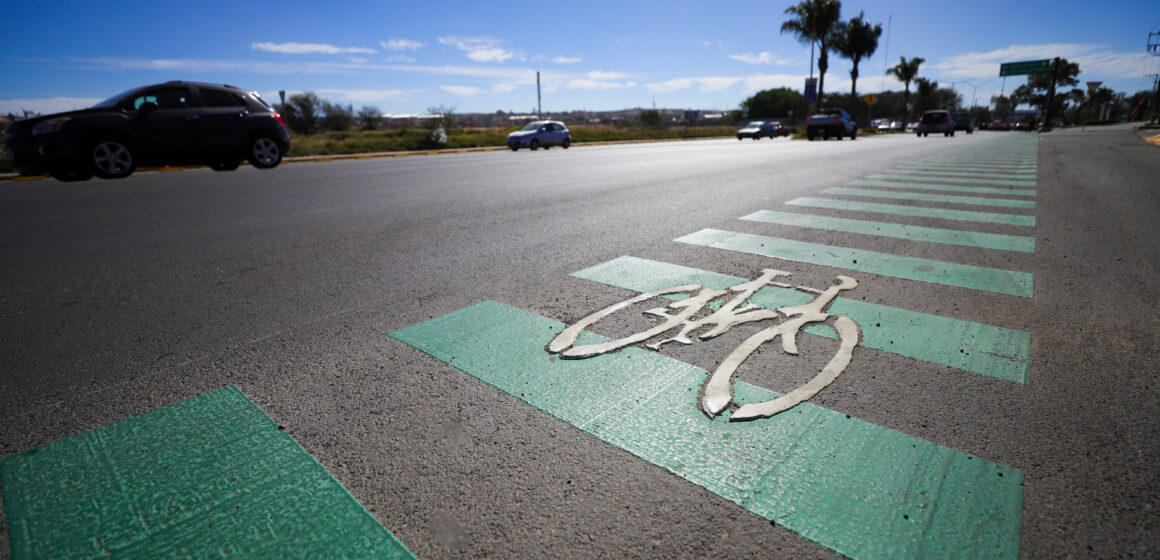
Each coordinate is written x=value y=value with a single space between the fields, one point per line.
x=1025 y=67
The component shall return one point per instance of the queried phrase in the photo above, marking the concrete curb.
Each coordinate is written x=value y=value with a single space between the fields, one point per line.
x=374 y=155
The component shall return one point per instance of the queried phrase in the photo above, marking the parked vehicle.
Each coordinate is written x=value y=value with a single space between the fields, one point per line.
x=174 y=123
x=886 y=126
x=757 y=129
x=540 y=134
x=831 y=122
x=936 y=121
x=999 y=125
x=965 y=121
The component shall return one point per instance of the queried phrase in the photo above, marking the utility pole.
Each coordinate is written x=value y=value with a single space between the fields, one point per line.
x=539 y=100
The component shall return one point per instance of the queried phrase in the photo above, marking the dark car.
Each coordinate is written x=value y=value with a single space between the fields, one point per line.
x=965 y=121
x=831 y=122
x=936 y=121
x=539 y=134
x=757 y=129
x=175 y=123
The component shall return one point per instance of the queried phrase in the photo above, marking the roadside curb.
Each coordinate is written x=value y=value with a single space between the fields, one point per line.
x=374 y=155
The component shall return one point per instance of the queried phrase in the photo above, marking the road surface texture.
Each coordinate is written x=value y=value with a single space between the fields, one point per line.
x=341 y=298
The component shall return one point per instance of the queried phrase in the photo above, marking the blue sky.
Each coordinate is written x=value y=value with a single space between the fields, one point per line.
x=596 y=55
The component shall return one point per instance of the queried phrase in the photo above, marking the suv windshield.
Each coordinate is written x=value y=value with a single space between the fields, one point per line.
x=116 y=99
x=532 y=126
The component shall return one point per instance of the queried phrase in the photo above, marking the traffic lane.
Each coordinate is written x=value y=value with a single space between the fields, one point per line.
x=313 y=387
x=231 y=257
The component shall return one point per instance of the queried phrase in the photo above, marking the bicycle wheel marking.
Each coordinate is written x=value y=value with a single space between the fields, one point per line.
x=943 y=188
x=899 y=231
x=972 y=200
x=995 y=280
x=978 y=348
x=917 y=211
x=861 y=490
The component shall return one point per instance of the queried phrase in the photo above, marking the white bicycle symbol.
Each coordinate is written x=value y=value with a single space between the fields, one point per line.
x=717 y=392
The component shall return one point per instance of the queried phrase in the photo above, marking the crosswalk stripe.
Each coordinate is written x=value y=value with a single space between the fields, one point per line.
x=917 y=211
x=942 y=188
x=972 y=200
x=996 y=352
x=964 y=180
x=858 y=489
x=1009 y=282
x=1018 y=243
x=1024 y=176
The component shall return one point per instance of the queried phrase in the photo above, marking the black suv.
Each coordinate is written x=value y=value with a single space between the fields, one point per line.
x=166 y=124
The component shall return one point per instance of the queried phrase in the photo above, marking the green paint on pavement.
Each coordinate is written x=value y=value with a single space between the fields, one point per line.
x=996 y=352
x=995 y=280
x=1012 y=172
x=948 y=173
x=916 y=211
x=211 y=476
x=899 y=231
x=950 y=199
x=942 y=188
x=852 y=487
x=963 y=180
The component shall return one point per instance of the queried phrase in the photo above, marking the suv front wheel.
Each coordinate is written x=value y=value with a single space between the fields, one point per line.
x=264 y=153
x=111 y=159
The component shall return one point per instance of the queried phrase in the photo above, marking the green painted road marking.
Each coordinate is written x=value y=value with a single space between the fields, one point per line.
x=963 y=173
x=858 y=489
x=943 y=188
x=899 y=231
x=973 y=200
x=211 y=476
x=1021 y=169
x=964 y=180
x=996 y=352
x=917 y=211
x=1009 y=282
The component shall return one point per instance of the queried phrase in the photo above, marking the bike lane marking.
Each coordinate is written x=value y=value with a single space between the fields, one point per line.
x=916 y=211
x=996 y=280
x=850 y=486
x=1029 y=175
x=943 y=188
x=923 y=197
x=208 y=476
x=957 y=166
x=988 y=350
x=924 y=234
x=937 y=179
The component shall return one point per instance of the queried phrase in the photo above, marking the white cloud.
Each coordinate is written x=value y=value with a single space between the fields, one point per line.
x=717 y=83
x=584 y=84
x=707 y=84
x=364 y=95
x=461 y=91
x=481 y=49
x=400 y=58
x=401 y=45
x=599 y=75
x=308 y=48
x=567 y=59
x=503 y=87
x=46 y=105
x=194 y=65
x=670 y=86
x=750 y=58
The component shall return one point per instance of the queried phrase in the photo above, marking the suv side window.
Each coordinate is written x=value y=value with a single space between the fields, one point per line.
x=220 y=98
x=165 y=98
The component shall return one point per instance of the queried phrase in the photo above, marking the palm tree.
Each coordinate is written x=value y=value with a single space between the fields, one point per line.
x=856 y=40
x=905 y=71
x=814 y=21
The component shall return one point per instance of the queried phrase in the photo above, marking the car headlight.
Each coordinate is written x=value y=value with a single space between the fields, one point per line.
x=51 y=125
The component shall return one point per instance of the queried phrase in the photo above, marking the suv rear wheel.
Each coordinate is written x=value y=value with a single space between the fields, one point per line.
x=264 y=153
x=111 y=159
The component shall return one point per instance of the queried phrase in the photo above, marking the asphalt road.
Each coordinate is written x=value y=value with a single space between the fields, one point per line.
x=119 y=297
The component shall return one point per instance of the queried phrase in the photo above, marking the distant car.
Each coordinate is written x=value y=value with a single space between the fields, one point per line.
x=886 y=126
x=999 y=125
x=171 y=123
x=936 y=121
x=757 y=129
x=1027 y=124
x=831 y=122
x=965 y=121
x=540 y=134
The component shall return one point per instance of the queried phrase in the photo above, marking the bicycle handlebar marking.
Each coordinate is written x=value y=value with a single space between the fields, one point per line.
x=717 y=393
